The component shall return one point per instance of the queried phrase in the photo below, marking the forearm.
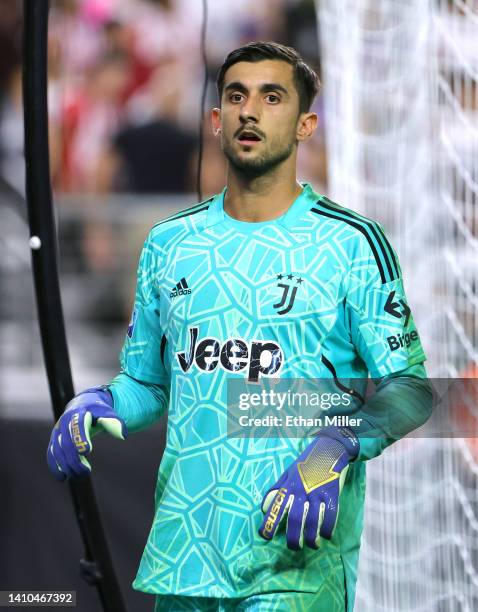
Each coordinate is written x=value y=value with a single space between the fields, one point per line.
x=139 y=404
x=402 y=402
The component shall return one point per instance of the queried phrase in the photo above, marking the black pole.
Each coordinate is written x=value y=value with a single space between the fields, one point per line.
x=96 y=568
x=203 y=99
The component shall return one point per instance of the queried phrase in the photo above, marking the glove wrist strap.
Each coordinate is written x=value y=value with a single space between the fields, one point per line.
x=344 y=435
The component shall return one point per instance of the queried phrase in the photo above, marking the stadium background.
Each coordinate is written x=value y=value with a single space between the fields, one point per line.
x=398 y=141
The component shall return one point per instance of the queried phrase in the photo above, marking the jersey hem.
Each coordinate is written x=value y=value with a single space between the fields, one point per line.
x=215 y=594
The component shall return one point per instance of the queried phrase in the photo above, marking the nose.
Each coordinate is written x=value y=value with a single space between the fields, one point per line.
x=249 y=111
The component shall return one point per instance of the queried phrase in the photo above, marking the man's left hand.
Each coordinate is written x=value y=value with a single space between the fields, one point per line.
x=308 y=491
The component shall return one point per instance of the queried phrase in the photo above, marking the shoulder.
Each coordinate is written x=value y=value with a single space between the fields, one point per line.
x=176 y=227
x=362 y=238
x=345 y=218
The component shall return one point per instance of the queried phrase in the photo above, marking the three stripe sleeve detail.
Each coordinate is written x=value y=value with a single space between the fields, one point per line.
x=188 y=211
x=382 y=251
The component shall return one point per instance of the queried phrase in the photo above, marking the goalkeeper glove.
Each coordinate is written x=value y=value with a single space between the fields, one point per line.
x=88 y=413
x=308 y=491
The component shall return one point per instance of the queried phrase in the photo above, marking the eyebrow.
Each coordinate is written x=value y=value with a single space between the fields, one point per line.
x=238 y=86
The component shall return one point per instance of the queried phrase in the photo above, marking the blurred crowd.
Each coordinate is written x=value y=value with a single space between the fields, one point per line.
x=125 y=83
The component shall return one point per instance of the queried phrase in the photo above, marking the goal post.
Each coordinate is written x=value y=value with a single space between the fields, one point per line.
x=400 y=87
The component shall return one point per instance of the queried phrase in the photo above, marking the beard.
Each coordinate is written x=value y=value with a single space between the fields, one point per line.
x=260 y=164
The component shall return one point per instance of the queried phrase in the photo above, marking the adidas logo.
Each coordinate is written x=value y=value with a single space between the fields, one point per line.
x=180 y=289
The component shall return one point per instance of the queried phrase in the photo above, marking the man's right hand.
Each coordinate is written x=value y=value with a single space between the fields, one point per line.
x=87 y=413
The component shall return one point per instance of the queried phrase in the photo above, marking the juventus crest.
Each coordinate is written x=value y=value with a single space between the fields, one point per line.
x=289 y=291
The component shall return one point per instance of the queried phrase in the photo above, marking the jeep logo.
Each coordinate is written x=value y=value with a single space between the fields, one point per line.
x=260 y=358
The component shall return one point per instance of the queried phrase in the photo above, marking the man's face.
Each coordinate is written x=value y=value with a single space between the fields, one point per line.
x=259 y=115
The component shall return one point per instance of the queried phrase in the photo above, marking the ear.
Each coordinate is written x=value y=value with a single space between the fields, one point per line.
x=216 y=121
x=306 y=125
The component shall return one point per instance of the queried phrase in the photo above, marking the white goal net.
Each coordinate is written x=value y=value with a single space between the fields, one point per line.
x=401 y=119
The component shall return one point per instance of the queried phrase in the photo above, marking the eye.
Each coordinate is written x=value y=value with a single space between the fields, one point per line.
x=272 y=98
x=235 y=97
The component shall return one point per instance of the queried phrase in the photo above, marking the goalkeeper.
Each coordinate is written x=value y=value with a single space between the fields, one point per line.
x=266 y=279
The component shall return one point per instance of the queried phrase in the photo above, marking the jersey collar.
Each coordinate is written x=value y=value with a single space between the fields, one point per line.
x=307 y=198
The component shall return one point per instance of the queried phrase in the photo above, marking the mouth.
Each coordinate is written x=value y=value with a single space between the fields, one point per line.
x=248 y=137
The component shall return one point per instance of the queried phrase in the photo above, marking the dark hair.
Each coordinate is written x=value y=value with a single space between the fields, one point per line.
x=306 y=80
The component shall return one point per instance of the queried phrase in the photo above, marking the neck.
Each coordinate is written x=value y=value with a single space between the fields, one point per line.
x=261 y=198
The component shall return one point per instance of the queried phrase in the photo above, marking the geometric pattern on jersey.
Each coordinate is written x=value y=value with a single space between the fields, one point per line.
x=323 y=285
x=330 y=597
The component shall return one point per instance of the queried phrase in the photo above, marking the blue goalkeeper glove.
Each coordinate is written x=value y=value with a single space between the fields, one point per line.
x=88 y=413
x=308 y=491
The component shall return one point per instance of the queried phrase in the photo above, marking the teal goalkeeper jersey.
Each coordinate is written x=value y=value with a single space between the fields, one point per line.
x=316 y=293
